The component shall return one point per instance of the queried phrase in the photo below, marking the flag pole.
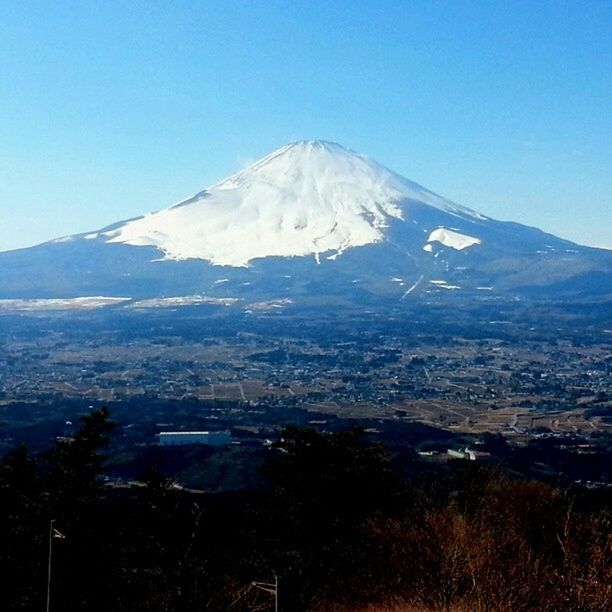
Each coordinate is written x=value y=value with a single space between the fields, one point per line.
x=49 y=565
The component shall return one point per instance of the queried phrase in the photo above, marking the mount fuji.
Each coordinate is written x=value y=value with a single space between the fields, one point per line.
x=311 y=219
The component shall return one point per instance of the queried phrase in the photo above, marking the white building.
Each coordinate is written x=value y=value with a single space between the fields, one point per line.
x=181 y=438
x=466 y=453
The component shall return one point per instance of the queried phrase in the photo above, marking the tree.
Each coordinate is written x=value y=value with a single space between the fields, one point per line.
x=75 y=466
x=19 y=484
x=337 y=477
x=21 y=527
x=325 y=487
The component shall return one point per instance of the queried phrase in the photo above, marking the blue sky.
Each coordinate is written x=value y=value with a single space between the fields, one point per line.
x=112 y=109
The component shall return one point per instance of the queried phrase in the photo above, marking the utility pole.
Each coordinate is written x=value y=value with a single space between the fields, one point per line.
x=51 y=523
x=275 y=592
x=53 y=533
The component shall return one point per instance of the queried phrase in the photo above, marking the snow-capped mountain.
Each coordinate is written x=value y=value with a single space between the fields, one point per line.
x=310 y=218
x=307 y=198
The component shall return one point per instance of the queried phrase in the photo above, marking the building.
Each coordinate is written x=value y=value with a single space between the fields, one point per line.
x=466 y=453
x=181 y=438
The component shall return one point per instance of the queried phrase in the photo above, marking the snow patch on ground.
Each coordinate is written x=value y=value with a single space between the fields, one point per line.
x=183 y=300
x=63 y=239
x=443 y=284
x=268 y=305
x=452 y=238
x=78 y=303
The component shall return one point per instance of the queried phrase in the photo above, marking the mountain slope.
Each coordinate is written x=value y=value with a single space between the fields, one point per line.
x=312 y=218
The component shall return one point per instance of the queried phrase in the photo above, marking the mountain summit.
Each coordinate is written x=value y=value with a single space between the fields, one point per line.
x=307 y=198
x=311 y=219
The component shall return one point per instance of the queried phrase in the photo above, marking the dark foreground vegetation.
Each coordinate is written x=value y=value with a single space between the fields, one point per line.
x=337 y=523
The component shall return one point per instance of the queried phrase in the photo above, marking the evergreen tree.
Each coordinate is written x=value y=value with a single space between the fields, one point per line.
x=75 y=466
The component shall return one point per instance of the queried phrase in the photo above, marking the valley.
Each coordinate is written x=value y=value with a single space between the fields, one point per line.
x=534 y=375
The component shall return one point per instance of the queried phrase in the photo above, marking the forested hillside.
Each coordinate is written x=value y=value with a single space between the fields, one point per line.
x=337 y=523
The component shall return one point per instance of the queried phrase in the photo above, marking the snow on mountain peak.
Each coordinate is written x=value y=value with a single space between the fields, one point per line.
x=306 y=198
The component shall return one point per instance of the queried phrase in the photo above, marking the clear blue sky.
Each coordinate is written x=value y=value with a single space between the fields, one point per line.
x=112 y=109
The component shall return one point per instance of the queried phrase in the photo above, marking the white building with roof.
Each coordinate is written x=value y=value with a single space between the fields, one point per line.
x=182 y=438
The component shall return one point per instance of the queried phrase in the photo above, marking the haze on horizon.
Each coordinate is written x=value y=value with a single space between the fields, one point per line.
x=111 y=111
